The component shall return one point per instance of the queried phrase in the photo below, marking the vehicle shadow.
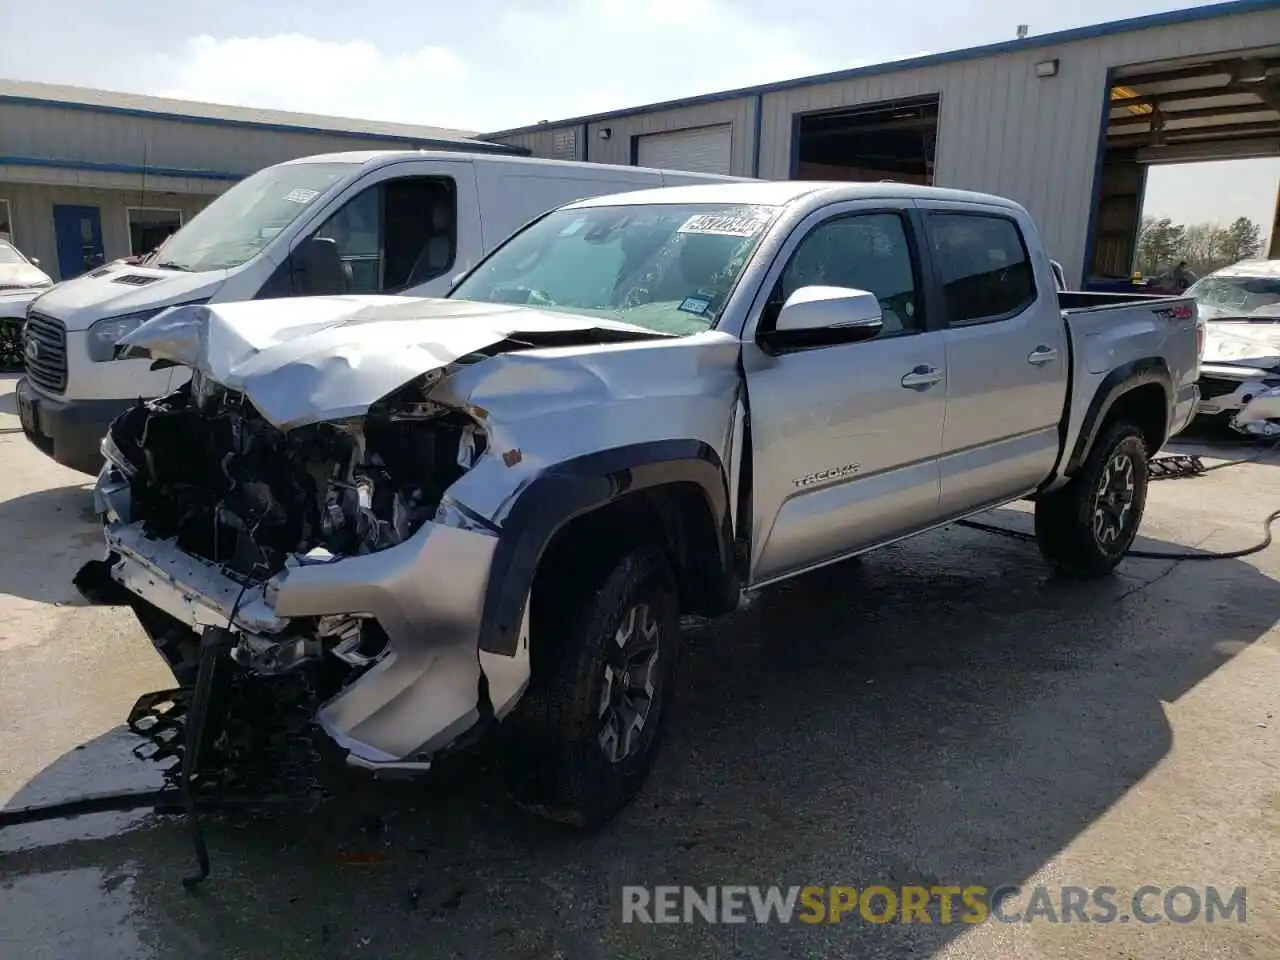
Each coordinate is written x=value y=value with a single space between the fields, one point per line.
x=8 y=395
x=941 y=712
x=48 y=535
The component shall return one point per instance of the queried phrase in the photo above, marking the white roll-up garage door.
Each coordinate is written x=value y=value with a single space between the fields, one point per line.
x=701 y=150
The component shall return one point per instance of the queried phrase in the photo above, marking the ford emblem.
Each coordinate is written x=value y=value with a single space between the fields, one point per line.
x=33 y=350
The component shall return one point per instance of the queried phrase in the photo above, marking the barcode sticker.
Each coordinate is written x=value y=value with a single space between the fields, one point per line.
x=721 y=225
x=301 y=195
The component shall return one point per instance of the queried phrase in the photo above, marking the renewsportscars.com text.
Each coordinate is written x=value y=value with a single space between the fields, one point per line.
x=932 y=904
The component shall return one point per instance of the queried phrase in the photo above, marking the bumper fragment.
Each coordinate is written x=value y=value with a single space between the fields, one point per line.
x=1260 y=417
x=426 y=594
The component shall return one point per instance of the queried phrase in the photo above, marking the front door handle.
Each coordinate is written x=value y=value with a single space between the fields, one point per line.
x=922 y=377
x=1042 y=355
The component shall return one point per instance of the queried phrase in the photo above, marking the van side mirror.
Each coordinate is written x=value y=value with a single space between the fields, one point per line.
x=819 y=316
x=35 y=261
x=317 y=268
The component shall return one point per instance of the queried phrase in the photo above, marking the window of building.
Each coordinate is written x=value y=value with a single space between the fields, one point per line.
x=394 y=235
x=863 y=252
x=150 y=226
x=6 y=221
x=986 y=271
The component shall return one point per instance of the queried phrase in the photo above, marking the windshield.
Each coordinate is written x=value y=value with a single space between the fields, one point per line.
x=1222 y=297
x=8 y=255
x=666 y=267
x=236 y=226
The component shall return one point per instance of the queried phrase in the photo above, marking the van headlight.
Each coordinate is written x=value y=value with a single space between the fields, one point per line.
x=104 y=334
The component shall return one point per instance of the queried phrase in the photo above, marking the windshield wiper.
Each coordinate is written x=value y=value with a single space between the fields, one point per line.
x=170 y=265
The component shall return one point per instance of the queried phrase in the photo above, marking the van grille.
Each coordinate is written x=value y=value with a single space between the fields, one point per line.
x=48 y=368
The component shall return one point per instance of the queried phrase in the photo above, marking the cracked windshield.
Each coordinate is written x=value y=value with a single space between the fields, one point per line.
x=668 y=268
x=1225 y=297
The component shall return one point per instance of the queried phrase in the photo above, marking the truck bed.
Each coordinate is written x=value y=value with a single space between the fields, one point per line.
x=1112 y=335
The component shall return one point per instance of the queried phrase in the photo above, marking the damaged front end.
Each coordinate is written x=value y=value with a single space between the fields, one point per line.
x=1260 y=415
x=329 y=550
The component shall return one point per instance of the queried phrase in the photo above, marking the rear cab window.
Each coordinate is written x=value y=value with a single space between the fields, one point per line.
x=983 y=264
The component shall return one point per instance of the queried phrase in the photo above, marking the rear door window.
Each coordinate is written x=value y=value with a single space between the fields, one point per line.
x=985 y=269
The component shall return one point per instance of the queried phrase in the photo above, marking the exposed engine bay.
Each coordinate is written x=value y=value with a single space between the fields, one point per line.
x=205 y=468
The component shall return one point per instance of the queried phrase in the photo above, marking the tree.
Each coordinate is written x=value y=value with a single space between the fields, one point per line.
x=1159 y=244
x=1204 y=246
x=1241 y=241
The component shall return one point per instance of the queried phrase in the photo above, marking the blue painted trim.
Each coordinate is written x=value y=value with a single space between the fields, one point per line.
x=757 y=134
x=405 y=141
x=1095 y=199
x=793 y=161
x=1092 y=32
x=58 y=164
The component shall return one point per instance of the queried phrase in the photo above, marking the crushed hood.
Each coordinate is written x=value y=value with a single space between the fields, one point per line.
x=312 y=359
x=1243 y=344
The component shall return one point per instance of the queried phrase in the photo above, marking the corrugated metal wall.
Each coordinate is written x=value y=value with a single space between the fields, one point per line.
x=617 y=149
x=32 y=205
x=1002 y=128
x=69 y=134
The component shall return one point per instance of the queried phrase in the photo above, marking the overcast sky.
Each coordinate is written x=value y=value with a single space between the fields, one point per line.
x=489 y=64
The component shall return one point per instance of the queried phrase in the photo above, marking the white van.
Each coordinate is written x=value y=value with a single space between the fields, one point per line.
x=374 y=222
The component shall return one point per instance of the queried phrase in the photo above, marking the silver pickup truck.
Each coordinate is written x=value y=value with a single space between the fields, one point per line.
x=491 y=510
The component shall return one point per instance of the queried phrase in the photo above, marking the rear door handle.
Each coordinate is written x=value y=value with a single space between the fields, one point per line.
x=1042 y=355
x=922 y=377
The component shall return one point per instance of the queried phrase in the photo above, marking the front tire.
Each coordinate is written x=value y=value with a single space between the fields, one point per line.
x=1087 y=527
x=581 y=741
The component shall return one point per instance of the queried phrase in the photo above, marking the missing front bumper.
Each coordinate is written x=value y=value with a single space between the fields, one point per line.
x=426 y=594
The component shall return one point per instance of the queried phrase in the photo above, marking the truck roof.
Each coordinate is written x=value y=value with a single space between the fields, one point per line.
x=779 y=193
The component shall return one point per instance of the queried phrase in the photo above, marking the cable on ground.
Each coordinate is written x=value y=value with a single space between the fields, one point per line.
x=1168 y=467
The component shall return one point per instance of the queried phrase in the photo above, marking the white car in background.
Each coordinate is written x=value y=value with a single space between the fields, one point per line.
x=1240 y=305
x=21 y=281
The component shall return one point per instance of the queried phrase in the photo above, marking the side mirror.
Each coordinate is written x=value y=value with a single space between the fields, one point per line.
x=317 y=268
x=35 y=261
x=823 y=316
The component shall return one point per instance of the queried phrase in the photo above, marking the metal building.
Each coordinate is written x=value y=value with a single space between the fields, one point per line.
x=1065 y=123
x=88 y=176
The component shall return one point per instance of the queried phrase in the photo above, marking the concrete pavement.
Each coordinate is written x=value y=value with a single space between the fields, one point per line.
x=942 y=712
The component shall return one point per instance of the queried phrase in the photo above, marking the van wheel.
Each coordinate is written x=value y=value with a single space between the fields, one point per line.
x=1088 y=526
x=582 y=739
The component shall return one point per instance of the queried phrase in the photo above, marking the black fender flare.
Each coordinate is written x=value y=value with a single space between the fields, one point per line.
x=1114 y=385
x=573 y=488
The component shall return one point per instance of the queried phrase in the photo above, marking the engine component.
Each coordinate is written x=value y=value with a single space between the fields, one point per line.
x=205 y=468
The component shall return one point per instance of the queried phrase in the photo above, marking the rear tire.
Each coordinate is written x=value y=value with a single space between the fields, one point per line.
x=1087 y=527
x=581 y=741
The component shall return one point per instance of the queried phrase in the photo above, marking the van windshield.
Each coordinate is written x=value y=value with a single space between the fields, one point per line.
x=667 y=267
x=235 y=227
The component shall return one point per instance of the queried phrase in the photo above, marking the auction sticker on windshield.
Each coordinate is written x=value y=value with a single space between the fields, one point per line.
x=301 y=195
x=725 y=225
